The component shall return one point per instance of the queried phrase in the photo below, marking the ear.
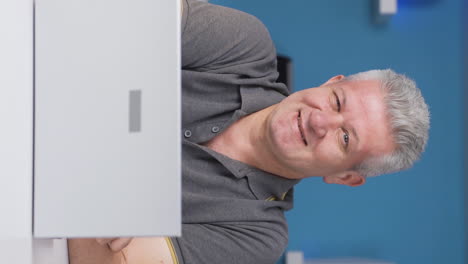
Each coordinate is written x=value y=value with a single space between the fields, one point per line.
x=334 y=79
x=350 y=178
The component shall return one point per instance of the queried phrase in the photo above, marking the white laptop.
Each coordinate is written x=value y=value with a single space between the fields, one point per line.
x=107 y=118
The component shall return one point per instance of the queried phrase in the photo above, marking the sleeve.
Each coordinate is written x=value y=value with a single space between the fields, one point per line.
x=247 y=243
x=222 y=40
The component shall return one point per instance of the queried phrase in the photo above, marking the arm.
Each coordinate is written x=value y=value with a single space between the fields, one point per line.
x=115 y=244
x=139 y=251
x=216 y=37
x=89 y=251
x=232 y=45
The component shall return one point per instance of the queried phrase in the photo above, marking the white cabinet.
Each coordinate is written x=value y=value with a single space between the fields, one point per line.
x=107 y=117
x=16 y=74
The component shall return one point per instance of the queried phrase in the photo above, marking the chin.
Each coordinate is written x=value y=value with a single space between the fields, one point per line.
x=283 y=146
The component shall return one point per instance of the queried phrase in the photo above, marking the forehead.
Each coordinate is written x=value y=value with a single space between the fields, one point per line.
x=366 y=112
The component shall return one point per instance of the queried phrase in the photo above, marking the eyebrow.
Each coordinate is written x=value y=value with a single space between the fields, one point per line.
x=353 y=131
x=343 y=94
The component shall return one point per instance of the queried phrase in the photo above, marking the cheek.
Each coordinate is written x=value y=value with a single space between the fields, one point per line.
x=278 y=129
x=280 y=140
x=328 y=152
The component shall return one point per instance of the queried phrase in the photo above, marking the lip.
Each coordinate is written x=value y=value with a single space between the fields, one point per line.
x=300 y=127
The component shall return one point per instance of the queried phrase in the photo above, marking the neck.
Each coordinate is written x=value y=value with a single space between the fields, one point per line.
x=247 y=141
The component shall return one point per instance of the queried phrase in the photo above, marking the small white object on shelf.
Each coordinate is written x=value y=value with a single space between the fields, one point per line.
x=295 y=257
x=388 y=7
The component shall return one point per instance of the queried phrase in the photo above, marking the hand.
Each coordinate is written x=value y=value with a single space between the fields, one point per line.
x=116 y=243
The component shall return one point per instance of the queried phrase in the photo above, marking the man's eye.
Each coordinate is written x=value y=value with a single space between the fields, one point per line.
x=338 y=103
x=346 y=138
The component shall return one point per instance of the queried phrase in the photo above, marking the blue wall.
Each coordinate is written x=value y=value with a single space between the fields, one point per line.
x=411 y=217
x=465 y=96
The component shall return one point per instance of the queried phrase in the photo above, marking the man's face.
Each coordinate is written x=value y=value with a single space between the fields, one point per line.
x=326 y=131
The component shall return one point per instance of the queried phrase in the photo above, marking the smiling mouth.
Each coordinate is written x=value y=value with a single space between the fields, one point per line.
x=299 y=125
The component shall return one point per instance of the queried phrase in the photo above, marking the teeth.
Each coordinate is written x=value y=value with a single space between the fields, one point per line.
x=299 y=124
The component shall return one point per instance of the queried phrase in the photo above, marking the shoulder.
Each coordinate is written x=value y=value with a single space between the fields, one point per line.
x=215 y=36
x=206 y=14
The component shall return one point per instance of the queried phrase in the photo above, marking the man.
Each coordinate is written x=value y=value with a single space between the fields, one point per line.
x=246 y=144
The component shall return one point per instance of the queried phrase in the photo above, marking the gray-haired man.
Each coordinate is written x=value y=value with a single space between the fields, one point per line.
x=247 y=143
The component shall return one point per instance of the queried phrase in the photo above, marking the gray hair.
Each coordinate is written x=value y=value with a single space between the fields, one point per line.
x=409 y=122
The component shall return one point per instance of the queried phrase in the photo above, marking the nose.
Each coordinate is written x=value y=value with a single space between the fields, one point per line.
x=323 y=121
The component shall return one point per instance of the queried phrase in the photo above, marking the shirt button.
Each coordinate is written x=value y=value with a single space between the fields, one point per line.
x=215 y=129
x=187 y=133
